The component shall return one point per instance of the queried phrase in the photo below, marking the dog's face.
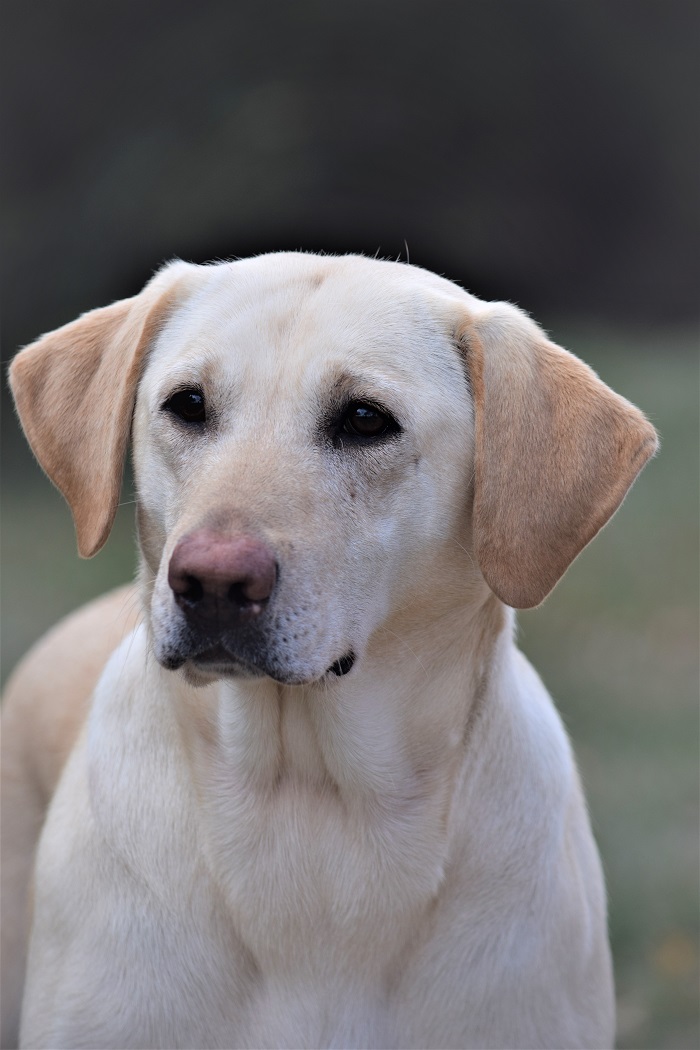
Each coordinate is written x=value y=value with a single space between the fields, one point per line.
x=315 y=412
x=320 y=443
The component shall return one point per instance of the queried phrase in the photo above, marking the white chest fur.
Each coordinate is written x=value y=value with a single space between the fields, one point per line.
x=317 y=857
x=266 y=871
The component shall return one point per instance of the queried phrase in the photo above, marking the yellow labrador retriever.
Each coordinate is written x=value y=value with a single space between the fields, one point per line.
x=314 y=796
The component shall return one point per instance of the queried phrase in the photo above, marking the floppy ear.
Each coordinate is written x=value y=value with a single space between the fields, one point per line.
x=75 y=389
x=556 y=451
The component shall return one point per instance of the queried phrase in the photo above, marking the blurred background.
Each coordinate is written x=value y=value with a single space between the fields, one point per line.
x=536 y=150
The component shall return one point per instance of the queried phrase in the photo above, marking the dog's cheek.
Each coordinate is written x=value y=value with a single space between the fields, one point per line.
x=313 y=618
x=345 y=568
x=424 y=533
x=358 y=577
x=161 y=493
x=167 y=633
x=151 y=538
x=156 y=514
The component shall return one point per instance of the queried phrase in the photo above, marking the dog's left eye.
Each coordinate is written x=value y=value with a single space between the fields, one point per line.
x=188 y=405
x=367 y=421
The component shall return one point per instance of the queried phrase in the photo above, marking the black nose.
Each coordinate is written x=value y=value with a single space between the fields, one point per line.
x=223 y=579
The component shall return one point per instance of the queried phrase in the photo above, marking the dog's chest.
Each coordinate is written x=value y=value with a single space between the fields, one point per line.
x=310 y=881
x=311 y=873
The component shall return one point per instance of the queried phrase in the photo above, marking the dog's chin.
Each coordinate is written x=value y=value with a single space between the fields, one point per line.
x=198 y=673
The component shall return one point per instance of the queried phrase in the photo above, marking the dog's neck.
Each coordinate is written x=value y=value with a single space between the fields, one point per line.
x=329 y=807
x=380 y=732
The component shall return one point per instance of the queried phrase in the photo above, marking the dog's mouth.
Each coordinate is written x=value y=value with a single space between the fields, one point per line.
x=214 y=662
x=217 y=661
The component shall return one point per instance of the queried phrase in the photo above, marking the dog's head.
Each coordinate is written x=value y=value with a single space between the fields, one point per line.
x=319 y=442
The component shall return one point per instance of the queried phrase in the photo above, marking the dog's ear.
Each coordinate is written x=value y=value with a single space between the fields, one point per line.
x=556 y=451
x=75 y=389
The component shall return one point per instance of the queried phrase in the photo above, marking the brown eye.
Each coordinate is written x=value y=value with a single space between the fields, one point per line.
x=187 y=405
x=366 y=421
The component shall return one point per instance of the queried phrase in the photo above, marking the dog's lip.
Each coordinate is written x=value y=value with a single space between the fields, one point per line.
x=217 y=653
x=217 y=660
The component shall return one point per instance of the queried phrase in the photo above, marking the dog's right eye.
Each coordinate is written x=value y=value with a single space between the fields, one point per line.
x=188 y=405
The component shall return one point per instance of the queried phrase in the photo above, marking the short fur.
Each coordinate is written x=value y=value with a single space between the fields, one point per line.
x=269 y=854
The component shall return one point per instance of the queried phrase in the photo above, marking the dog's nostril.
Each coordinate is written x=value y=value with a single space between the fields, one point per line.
x=249 y=593
x=193 y=591
x=236 y=594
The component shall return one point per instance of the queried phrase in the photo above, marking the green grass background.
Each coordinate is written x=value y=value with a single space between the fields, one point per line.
x=616 y=644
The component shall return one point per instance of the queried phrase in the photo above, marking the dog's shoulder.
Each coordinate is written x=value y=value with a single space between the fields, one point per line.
x=48 y=695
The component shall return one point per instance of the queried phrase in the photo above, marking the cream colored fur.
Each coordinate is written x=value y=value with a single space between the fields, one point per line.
x=399 y=857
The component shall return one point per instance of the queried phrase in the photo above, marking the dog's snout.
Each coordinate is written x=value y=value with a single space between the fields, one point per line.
x=213 y=574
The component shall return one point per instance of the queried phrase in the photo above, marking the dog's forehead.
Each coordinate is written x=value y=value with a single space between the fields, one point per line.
x=297 y=315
